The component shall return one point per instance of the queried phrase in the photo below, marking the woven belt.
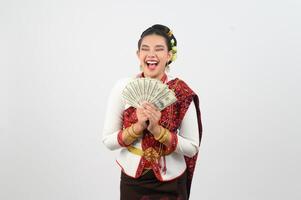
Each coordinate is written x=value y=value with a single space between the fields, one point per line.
x=150 y=154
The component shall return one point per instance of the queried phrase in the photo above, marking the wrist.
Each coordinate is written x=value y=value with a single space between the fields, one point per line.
x=164 y=136
x=156 y=130
x=138 y=128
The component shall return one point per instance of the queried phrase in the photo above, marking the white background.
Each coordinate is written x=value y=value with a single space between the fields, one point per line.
x=60 y=58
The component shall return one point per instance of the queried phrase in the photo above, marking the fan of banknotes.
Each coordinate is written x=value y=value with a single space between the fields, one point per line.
x=151 y=90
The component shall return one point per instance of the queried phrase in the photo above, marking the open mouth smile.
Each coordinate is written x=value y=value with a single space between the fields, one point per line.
x=152 y=64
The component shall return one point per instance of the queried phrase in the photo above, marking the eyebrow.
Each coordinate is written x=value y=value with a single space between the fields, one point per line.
x=159 y=45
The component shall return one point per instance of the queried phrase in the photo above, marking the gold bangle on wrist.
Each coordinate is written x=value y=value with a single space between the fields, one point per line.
x=162 y=132
x=129 y=135
x=164 y=138
x=133 y=133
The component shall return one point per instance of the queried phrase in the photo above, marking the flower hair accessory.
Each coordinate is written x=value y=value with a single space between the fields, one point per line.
x=173 y=50
x=169 y=33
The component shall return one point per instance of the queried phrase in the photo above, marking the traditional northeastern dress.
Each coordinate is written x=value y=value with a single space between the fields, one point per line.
x=151 y=170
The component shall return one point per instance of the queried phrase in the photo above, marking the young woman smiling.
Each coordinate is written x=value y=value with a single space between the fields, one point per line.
x=158 y=149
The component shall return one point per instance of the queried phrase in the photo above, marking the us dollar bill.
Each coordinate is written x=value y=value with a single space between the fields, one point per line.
x=165 y=101
x=147 y=89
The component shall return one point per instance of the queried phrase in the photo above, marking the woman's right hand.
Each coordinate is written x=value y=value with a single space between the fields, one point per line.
x=142 y=118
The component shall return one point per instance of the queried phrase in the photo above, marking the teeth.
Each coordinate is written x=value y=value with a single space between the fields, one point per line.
x=151 y=62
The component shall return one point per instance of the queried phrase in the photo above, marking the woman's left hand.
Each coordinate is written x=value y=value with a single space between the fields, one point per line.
x=154 y=116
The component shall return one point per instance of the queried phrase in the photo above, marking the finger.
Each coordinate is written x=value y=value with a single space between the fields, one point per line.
x=144 y=119
x=154 y=111
x=144 y=104
x=147 y=113
x=153 y=106
x=151 y=121
x=139 y=110
x=150 y=106
x=144 y=114
x=156 y=115
x=154 y=118
x=150 y=115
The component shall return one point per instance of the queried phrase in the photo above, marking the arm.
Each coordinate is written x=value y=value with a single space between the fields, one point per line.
x=188 y=136
x=187 y=140
x=113 y=117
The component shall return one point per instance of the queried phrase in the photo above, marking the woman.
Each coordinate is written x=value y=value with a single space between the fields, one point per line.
x=158 y=149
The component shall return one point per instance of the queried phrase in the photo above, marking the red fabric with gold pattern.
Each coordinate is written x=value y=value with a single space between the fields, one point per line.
x=185 y=95
x=120 y=140
x=171 y=118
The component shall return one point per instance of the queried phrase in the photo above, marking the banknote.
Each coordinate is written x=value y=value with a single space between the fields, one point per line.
x=151 y=90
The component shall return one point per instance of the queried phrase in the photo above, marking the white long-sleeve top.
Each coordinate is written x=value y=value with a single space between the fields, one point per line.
x=188 y=136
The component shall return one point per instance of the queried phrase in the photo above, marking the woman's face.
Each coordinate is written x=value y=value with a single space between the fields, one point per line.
x=153 y=56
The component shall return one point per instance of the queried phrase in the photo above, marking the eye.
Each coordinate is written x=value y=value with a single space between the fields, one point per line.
x=160 y=49
x=144 y=49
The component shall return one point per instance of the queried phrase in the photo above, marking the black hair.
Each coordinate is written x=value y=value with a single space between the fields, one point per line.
x=161 y=30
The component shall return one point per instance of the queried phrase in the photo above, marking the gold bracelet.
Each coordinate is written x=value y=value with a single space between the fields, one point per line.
x=129 y=135
x=133 y=133
x=164 y=138
x=162 y=132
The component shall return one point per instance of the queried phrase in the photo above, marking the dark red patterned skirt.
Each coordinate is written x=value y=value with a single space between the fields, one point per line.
x=148 y=187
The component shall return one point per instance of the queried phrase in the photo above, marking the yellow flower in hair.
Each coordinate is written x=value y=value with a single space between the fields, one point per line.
x=174 y=57
x=172 y=42
x=173 y=50
x=169 y=33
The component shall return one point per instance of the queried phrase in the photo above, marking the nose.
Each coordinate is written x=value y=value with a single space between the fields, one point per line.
x=151 y=53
